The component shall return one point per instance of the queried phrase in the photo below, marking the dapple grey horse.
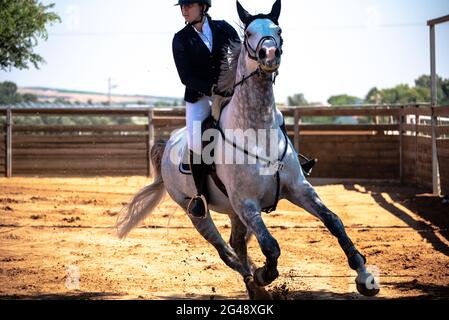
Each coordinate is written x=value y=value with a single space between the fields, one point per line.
x=249 y=189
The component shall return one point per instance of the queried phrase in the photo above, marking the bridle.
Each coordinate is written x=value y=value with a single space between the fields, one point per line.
x=261 y=41
x=252 y=54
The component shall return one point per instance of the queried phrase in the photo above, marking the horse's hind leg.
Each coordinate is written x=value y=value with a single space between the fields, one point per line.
x=208 y=230
x=304 y=195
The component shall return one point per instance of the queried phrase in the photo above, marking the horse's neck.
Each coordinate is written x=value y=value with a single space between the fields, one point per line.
x=252 y=106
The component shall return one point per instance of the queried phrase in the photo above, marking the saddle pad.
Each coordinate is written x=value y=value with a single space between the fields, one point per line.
x=184 y=167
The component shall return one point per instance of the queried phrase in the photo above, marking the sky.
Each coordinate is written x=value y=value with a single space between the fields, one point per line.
x=330 y=46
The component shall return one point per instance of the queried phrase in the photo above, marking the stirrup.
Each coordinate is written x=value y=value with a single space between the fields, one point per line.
x=203 y=200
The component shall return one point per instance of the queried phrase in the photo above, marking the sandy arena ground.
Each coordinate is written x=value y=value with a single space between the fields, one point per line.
x=55 y=231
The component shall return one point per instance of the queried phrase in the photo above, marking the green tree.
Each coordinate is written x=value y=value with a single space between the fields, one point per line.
x=22 y=24
x=404 y=94
x=162 y=104
x=9 y=95
x=424 y=82
x=445 y=90
x=343 y=99
x=297 y=99
x=29 y=97
x=373 y=96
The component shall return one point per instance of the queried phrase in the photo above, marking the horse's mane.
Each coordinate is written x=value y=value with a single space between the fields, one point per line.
x=226 y=80
x=228 y=71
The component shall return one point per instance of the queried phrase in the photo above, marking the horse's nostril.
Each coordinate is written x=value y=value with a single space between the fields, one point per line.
x=262 y=54
x=277 y=53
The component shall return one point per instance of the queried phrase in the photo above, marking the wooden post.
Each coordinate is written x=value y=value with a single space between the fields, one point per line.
x=296 y=126
x=401 y=144
x=416 y=144
x=435 y=171
x=150 y=140
x=8 y=143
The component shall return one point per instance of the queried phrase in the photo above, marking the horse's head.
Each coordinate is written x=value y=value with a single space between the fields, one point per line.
x=263 y=41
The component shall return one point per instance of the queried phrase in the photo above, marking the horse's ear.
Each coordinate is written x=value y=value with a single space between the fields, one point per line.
x=243 y=14
x=275 y=11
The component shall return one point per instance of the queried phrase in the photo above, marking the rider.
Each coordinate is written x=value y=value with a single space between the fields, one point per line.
x=198 y=51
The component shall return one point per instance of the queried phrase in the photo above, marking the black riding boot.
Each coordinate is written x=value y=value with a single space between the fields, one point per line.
x=198 y=205
x=306 y=166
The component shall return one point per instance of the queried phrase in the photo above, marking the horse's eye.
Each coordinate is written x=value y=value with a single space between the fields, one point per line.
x=280 y=32
x=248 y=34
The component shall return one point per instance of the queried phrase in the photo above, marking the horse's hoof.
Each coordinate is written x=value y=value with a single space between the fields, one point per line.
x=367 y=285
x=261 y=278
x=255 y=292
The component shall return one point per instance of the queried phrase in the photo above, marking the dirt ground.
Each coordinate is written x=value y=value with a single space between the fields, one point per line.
x=57 y=242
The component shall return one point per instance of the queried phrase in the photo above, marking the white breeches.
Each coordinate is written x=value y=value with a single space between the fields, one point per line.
x=196 y=113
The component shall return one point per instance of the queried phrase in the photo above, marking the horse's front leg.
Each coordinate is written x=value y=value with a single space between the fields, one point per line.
x=250 y=214
x=304 y=195
x=206 y=227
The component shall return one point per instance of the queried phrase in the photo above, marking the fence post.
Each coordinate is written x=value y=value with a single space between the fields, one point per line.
x=416 y=144
x=8 y=142
x=150 y=140
x=435 y=171
x=296 y=128
x=401 y=144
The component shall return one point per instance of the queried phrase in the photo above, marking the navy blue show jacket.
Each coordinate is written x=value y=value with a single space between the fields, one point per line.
x=198 y=68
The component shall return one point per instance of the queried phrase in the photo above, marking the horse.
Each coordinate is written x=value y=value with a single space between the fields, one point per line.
x=249 y=186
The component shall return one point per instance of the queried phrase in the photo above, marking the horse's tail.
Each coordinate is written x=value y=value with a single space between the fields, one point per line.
x=146 y=200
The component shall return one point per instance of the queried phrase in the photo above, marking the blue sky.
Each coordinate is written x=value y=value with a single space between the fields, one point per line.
x=330 y=47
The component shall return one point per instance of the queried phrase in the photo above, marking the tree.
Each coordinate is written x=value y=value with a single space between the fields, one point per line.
x=445 y=90
x=22 y=24
x=297 y=99
x=373 y=96
x=9 y=95
x=424 y=82
x=404 y=94
x=343 y=100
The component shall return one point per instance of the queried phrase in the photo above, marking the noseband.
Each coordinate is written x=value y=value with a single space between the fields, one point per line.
x=249 y=51
x=261 y=41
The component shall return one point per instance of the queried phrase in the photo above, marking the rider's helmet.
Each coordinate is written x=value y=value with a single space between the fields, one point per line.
x=206 y=2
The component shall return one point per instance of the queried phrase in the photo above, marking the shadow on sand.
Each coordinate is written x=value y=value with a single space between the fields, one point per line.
x=431 y=209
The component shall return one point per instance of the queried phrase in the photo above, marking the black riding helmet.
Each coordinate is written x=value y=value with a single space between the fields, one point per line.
x=206 y=2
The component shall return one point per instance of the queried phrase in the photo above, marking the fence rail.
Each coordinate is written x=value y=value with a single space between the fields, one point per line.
x=387 y=142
